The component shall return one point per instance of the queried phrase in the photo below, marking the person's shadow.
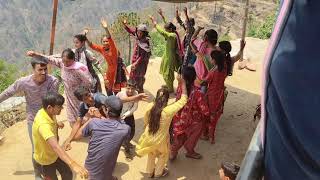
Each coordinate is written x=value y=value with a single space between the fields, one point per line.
x=121 y=169
x=20 y=173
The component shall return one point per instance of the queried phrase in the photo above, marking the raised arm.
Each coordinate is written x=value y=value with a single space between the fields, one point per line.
x=92 y=45
x=162 y=15
x=194 y=48
x=127 y=28
x=185 y=10
x=238 y=56
x=104 y=24
x=196 y=33
x=48 y=59
x=179 y=20
x=160 y=29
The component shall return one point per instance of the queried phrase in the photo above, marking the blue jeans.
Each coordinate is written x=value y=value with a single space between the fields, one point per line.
x=36 y=170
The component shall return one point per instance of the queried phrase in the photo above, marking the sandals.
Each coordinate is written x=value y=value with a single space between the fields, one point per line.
x=194 y=156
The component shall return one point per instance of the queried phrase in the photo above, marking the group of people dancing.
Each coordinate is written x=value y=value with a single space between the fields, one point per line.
x=202 y=65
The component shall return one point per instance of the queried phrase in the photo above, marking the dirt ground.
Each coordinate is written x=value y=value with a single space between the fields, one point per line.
x=233 y=135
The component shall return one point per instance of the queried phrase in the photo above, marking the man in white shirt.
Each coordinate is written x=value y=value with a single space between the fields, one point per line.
x=127 y=113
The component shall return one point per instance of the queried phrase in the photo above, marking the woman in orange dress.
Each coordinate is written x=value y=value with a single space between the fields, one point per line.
x=109 y=51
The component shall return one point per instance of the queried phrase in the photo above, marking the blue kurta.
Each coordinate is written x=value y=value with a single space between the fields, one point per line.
x=292 y=141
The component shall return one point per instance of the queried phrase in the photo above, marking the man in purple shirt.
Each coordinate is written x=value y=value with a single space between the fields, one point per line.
x=34 y=87
x=107 y=133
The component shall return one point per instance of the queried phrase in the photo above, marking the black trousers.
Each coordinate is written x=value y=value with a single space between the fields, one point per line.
x=49 y=171
x=130 y=122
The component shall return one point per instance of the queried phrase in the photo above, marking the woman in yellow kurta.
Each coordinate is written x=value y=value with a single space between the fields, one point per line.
x=155 y=139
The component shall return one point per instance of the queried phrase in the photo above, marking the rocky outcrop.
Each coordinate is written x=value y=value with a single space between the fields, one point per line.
x=11 y=111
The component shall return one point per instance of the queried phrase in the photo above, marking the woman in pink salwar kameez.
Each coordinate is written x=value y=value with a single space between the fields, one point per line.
x=73 y=75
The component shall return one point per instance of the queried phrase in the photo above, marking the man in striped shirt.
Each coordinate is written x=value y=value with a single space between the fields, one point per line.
x=34 y=87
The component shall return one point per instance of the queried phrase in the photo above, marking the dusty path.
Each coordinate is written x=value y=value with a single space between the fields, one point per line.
x=234 y=131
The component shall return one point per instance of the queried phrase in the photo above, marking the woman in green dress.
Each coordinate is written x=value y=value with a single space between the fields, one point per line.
x=171 y=58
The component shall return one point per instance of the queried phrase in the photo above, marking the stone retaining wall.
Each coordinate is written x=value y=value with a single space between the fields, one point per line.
x=11 y=111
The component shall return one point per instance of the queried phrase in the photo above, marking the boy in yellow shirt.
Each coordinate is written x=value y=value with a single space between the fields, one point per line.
x=48 y=155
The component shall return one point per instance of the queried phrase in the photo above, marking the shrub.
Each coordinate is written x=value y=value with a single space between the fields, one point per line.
x=261 y=30
x=8 y=74
x=57 y=73
x=158 y=44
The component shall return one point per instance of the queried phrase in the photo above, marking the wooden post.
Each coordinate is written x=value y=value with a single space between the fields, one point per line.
x=53 y=28
x=245 y=20
x=129 y=56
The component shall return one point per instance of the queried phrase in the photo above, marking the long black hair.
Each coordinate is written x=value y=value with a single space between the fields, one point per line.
x=226 y=47
x=218 y=56
x=170 y=26
x=189 y=75
x=80 y=37
x=161 y=102
x=211 y=36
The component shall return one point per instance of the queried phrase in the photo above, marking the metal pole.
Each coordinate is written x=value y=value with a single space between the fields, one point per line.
x=53 y=28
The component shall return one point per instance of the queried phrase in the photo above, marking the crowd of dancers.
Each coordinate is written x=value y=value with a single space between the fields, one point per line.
x=202 y=65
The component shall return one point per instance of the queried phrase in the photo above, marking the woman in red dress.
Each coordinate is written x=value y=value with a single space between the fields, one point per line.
x=215 y=92
x=188 y=123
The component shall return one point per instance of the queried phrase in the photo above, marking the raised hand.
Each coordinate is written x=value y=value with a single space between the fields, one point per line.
x=160 y=12
x=200 y=28
x=177 y=12
x=104 y=23
x=125 y=22
x=86 y=31
x=152 y=20
x=185 y=9
x=31 y=53
x=179 y=78
x=143 y=97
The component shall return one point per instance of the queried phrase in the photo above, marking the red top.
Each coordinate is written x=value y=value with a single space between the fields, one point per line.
x=111 y=57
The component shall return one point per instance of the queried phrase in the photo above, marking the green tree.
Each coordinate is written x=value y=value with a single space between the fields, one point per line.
x=261 y=30
x=158 y=44
x=8 y=74
x=120 y=34
x=57 y=73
